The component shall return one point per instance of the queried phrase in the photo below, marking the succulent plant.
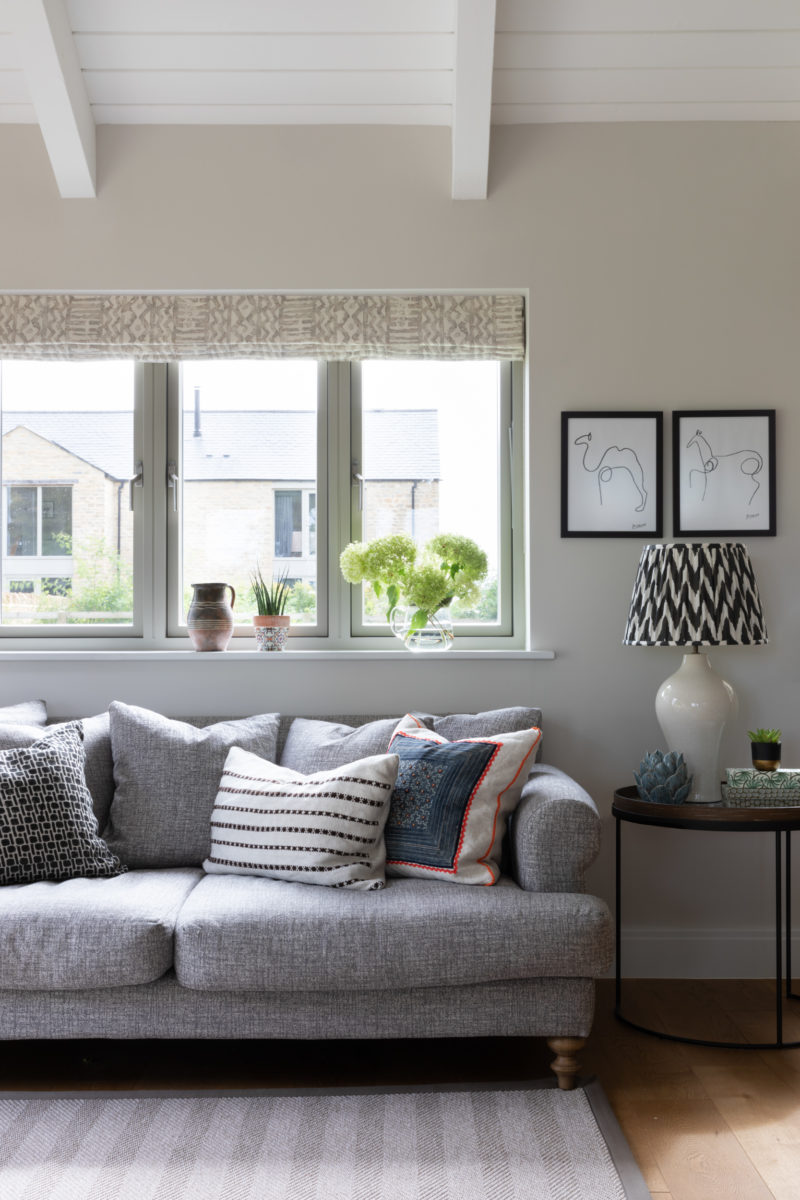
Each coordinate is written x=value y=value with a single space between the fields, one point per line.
x=764 y=735
x=662 y=778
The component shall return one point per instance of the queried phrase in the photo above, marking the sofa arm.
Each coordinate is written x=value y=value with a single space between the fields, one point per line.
x=554 y=834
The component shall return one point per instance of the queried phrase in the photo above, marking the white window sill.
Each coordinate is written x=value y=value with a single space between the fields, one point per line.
x=239 y=656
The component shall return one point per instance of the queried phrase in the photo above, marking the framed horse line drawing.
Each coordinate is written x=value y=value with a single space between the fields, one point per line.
x=611 y=481
x=723 y=473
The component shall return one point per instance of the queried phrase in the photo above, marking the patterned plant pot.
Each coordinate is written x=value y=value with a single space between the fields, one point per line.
x=271 y=632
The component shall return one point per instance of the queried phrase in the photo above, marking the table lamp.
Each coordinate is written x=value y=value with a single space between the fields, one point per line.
x=700 y=594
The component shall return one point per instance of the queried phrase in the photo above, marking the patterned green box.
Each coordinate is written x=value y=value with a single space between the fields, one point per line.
x=750 y=797
x=748 y=777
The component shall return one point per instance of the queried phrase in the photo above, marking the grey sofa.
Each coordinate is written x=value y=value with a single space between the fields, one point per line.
x=173 y=952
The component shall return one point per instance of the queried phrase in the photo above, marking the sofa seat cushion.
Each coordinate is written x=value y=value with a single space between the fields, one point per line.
x=91 y=933
x=246 y=933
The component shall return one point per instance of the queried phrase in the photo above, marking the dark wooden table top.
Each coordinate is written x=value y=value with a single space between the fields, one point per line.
x=628 y=807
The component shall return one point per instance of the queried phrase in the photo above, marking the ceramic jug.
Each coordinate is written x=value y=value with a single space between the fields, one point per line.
x=210 y=616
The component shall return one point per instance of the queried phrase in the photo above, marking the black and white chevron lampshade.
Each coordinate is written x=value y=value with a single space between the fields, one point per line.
x=696 y=594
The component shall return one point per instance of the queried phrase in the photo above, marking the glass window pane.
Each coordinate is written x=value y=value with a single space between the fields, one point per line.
x=67 y=433
x=249 y=468
x=56 y=585
x=56 y=520
x=21 y=523
x=430 y=461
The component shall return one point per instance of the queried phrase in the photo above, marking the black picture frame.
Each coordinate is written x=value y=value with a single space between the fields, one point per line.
x=611 y=474
x=723 y=473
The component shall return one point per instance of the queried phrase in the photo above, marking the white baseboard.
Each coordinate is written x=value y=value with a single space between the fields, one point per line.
x=702 y=954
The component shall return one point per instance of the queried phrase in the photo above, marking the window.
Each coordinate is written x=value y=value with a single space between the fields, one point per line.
x=432 y=443
x=39 y=521
x=67 y=459
x=125 y=483
x=244 y=449
x=295 y=523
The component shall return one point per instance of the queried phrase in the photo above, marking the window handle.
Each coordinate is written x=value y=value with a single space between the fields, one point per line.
x=357 y=478
x=137 y=480
x=172 y=482
x=511 y=473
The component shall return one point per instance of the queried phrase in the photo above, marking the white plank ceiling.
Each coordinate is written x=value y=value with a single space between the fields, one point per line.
x=70 y=65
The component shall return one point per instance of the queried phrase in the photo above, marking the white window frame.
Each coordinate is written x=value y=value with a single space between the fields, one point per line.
x=173 y=474
x=106 y=635
x=157 y=621
x=509 y=629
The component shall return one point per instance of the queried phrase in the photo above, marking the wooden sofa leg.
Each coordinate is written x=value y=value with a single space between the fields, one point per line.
x=565 y=1064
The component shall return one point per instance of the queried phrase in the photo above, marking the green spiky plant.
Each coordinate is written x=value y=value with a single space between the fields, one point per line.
x=271 y=598
x=764 y=735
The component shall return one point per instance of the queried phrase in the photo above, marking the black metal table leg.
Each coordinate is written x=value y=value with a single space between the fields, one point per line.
x=788 y=910
x=778 y=943
x=618 y=922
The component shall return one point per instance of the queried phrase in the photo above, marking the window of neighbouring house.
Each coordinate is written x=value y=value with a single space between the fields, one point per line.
x=39 y=521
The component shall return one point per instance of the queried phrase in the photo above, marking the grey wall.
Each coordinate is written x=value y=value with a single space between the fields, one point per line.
x=663 y=271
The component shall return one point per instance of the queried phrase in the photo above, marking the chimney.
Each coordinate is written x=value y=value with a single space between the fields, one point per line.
x=197 y=430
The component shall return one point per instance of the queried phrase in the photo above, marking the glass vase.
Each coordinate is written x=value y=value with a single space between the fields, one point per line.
x=434 y=637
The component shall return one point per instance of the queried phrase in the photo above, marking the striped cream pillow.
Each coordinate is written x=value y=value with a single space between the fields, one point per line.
x=325 y=828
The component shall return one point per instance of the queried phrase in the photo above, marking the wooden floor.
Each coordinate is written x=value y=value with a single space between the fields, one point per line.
x=702 y=1123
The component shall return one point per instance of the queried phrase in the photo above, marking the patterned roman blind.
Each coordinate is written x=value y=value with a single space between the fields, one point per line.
x=157 y=328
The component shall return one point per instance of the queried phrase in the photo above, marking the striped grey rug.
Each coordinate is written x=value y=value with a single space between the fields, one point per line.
x=507 y=1142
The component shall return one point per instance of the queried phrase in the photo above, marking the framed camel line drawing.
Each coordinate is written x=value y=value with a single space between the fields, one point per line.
x=723 y=472
x=611 y=481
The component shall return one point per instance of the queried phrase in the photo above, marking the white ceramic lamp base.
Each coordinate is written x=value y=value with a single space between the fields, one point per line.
x=692 y=707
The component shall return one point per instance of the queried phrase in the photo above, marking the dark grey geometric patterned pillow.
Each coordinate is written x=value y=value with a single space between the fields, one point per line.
x=48 y=830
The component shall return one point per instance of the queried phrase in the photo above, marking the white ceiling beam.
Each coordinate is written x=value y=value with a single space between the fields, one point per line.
x=472 y=98
x=50 y=64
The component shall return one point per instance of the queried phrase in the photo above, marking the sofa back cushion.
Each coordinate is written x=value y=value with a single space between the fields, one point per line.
x=321 y=745
x=97 y=750
x=314 y=745
x=28 y=712
x=166 y=775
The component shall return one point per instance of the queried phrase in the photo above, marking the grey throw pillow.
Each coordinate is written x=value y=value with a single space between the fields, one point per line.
x=97 y=754
x=29 y=712
x=166 y=775
x=495 y=721
x=324 y=745
x=48 y=830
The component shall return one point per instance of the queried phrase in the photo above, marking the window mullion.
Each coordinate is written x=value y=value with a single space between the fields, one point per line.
x=39 y=521
x=339 y=384
x=157 y=396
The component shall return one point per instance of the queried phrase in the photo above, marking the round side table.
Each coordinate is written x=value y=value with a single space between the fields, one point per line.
x=710 y=818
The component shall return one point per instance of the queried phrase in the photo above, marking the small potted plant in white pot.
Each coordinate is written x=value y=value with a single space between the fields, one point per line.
x=765 y=745
x=271 y=622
